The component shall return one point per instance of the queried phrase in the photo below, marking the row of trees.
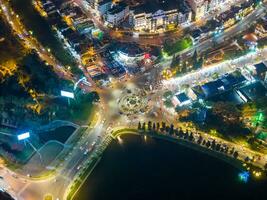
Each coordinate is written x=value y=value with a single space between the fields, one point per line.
x=163 y=128
x=182 y=66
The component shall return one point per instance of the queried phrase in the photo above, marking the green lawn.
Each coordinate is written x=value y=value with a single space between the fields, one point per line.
x=177 y=46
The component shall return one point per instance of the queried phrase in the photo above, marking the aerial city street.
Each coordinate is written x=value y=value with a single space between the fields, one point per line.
x=133 y=99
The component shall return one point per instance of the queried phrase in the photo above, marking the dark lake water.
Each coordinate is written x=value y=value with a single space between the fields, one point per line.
x=160 y=170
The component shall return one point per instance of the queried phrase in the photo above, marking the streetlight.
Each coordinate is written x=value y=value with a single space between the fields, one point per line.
x=24 y=137
x=69 y=95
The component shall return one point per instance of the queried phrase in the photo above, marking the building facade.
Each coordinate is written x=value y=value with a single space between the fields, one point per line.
x=202 y=7
x=103 y=7
x=117 y=14
x=154 y=15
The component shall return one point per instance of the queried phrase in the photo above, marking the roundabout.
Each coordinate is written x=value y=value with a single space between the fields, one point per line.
x=133 y=102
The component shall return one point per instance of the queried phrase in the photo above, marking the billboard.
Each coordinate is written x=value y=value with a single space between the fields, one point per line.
x=24 y=136
x=67 y=94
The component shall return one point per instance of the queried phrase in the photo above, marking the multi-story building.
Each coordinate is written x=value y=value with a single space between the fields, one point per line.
x=156 y=14
x=117 y=13
x=93 y=3
x=202 y=7
x=199 y=7
x=103 y=7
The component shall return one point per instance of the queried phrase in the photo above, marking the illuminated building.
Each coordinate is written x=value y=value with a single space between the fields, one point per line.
x=153 y=15
x=130 y=52
x=181 y=100
x=103 y=7
x=260 y=71
x=202 y=7
x=93 y=3
x=117 y=14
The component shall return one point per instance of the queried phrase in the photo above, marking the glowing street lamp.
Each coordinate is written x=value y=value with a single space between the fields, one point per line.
x=24 y=137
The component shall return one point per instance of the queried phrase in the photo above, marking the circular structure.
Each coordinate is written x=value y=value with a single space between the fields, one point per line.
x=133 y=102
x=130 y=51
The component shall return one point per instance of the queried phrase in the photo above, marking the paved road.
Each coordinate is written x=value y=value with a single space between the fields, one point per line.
x=30 y=42
x=156 y=40
x=226 y=35
x=108 y=119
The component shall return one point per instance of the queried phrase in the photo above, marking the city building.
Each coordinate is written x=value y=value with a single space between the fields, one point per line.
x=181 y=100
x=153 y=15
x=130 y=52
x=261 y=30
x=253 y=91
x=260 y=71
x=93 y=3
x=103 y=6
x=202 y=7
x=117 y=14
x=210 y=89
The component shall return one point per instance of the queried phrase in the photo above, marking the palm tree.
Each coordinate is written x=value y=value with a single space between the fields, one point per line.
x=181 y=133
x=144 y=126
x=171 y=129
x=163 y=126
x=191 y=137
x=200 y=139
x=154 y=126
x=208 y=144
x=158 y=126
x=139 y=126
x=149 y=125
x=213 y=144
x=235 y=154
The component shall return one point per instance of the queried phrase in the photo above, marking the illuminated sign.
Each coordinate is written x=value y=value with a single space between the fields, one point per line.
x=67 y=94
x=147 y=56
x=244 y=176
x=24 y=136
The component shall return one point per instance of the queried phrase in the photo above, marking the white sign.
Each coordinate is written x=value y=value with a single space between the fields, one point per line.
x=24 y=136
x=67 y=94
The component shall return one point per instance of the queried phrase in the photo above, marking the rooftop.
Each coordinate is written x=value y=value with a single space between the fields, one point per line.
x=130 y=49
x=182 y=97
x=254 y=91
x=151 y=6
x=117 y=8
x=260 y=68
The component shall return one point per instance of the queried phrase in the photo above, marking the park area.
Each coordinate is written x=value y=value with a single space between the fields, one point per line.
x=20 y=152
x=171 y=48
x=60 y=134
